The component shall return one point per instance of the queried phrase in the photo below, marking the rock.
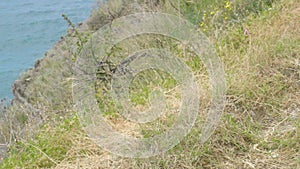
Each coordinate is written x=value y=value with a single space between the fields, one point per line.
x=18 y=89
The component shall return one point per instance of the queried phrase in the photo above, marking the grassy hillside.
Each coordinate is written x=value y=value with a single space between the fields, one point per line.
x=258 y=43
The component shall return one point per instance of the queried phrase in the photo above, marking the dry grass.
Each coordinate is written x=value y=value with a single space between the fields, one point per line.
x=260 y=126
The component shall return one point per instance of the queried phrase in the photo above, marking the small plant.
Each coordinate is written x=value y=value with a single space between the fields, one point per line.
x=81 y=37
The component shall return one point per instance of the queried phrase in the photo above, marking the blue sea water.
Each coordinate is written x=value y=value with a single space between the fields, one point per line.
x=28 y=28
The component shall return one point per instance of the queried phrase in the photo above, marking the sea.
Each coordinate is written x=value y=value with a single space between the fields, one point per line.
x=29 y=28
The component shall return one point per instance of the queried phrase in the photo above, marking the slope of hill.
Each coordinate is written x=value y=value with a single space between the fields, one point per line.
x=258 y=43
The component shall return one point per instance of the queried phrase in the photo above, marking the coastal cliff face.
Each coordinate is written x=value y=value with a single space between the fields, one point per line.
x=39 y=91
x=55 y=68
x=46 y=89
x=260 y=126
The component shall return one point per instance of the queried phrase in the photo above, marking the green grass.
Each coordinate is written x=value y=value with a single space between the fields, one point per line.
x=45 y=150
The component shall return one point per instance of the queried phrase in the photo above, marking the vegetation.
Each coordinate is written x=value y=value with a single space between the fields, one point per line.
x=258 y=43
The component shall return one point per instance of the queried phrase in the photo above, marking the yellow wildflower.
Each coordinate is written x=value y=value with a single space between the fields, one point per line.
x=227 y=4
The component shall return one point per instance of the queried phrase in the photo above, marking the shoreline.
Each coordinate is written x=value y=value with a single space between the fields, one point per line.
x=29 y=29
